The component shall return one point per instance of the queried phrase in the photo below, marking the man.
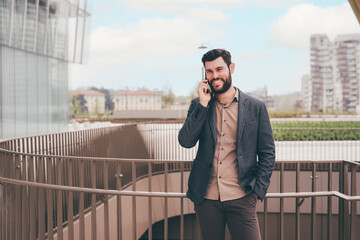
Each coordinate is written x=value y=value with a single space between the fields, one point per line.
x=233 y=130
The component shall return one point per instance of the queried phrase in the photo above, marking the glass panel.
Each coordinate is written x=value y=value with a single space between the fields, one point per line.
x=32 y=94
x=20 y=93
x=43 y=96
x=8 y=92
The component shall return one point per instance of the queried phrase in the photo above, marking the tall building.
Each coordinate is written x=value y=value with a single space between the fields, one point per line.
x=262 y=94
x=347 y=78
x=306 y=91
x=38 y=40
x=335 y=74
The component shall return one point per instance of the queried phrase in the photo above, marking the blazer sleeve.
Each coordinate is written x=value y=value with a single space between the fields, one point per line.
x=265 y=152
x=190 y=131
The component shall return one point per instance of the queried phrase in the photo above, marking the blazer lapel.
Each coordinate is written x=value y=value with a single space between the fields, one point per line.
x=212 y=118
x=243 y=104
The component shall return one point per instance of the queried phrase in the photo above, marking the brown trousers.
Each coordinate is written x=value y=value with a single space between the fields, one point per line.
x=239 y=215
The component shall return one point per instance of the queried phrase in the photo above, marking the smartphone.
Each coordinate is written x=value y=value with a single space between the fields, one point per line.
x=208 y=84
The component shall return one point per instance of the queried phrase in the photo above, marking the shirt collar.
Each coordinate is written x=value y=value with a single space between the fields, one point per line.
x=236 y=97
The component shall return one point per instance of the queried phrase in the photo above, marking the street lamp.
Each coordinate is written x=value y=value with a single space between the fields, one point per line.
x=202 y=69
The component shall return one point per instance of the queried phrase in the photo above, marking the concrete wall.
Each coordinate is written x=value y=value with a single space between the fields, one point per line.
x=150 y=114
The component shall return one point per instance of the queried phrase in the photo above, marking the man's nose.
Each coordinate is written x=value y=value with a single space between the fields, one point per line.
x=215 y=75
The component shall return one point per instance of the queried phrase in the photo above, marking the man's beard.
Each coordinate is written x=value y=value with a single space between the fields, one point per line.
x=226 y=84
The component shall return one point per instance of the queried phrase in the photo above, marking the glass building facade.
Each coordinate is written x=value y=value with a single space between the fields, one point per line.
x=39 y=38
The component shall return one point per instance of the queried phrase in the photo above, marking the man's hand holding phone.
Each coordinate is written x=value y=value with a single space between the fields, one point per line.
x=204 y=93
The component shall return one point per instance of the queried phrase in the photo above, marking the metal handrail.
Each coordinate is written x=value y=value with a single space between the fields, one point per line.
x=152 y=160
x=169 y=194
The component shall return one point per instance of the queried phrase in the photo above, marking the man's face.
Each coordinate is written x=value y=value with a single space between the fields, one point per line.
x=219 y=75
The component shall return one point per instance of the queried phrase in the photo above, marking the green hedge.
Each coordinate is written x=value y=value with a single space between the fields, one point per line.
x=316 y=131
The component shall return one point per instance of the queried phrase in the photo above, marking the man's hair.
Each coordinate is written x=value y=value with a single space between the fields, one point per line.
x=214 y=54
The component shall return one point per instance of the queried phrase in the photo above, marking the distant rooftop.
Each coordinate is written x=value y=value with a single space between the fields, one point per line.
x=137 y=92
x=88 y=93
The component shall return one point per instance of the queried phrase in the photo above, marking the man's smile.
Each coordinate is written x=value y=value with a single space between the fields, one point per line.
x=215 y=82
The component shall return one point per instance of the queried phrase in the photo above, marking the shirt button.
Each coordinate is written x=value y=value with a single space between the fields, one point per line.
x=222 y=149
x=220 y=162
x=223 y=134
x=219 y=176
x=224 y=120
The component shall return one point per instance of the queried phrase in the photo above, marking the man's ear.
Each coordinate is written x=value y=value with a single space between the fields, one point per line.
x=232 y=67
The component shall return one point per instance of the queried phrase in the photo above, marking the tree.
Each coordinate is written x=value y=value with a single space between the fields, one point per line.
x=168 y=99
x=78 y=105
x=109 y=104
x=83 y=108
x=75 y=105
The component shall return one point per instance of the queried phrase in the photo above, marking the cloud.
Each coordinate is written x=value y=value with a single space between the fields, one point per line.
x=105 y=8
x=252 y=56
x=178 y=6
x=176 y=36
x=294 y=28
x=210 y=10
x=118 y=52
x=175 y=5
x=206 y=14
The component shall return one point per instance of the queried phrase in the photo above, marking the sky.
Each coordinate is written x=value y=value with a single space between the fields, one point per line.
x=154 y=44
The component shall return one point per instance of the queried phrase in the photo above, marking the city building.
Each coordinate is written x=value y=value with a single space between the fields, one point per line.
x=94 y=101
x=335 y=74
x=38 y=39
x=262 y=94
x=306 y=91
x=137 y=100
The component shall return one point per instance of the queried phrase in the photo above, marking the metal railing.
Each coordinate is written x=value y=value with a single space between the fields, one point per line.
x=50 y=185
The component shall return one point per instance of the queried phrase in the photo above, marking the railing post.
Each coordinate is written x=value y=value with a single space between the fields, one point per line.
x=81 y=202
x=32 y=202
x=49 y=200
x=119 y=211
x=25 y=196
x=313 y=203
x=149 y=202
x=106 y=201
x=133 y=176
x=166 y=203
x=182 y=201
x=346 y=227
x=41 y=199
x=297 y=205
x=353 y=230
x=281 y=201
x=265 y=236
x=18 y=198
x=329 y=204
x=70 y=201
x=59 y=200
x=93 y=202
x=341 y=202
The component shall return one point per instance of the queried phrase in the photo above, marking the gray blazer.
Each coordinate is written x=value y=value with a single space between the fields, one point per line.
x=255 y=146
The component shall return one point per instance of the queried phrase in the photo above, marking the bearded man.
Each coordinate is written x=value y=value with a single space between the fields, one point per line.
x=236 y=153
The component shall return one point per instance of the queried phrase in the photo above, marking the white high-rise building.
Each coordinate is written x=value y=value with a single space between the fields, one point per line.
x=347 y=77
x=335 y=72
x=306 y=91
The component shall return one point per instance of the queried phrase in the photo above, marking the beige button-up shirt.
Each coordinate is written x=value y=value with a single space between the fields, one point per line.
x=224 y=178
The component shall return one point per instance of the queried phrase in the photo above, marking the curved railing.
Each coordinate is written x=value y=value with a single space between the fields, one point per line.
x=52 y=186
